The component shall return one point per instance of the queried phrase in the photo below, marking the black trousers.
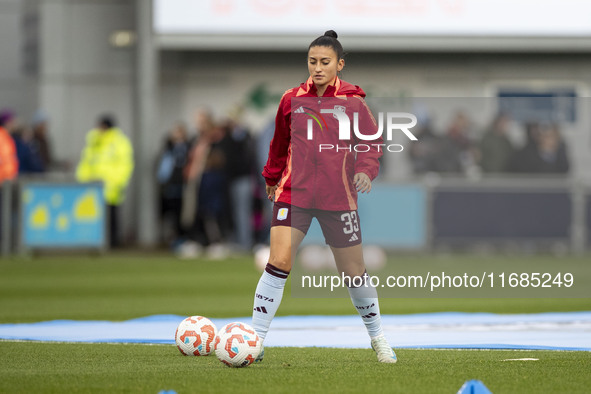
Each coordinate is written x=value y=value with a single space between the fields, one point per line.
x=113 y=226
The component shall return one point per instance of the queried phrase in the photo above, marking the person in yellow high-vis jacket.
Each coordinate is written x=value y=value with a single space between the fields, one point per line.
x=108 y=157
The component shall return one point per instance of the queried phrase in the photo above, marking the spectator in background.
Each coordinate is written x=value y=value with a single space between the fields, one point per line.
x=552 y=150
x=496 y=149
x=544 y=153
x=439 y=154
x=238 y=148
x=41 y=144
x=40 y=140
x=8 y=158
x=192 y=172
x=264 y=207
x=108 y=157
x=212 y=215
x=425 y=153
x=458 y=138
x=171 y=162
x=205 y=196
x=525 y=159
x=29 y=160
x=8 y=120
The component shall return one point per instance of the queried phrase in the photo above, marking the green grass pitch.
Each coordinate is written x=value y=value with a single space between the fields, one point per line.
x=130 y=285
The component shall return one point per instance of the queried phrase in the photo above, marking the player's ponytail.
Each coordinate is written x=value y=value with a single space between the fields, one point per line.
x=329 y=39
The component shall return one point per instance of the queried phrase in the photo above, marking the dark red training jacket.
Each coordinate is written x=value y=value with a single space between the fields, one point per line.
x=309 y=172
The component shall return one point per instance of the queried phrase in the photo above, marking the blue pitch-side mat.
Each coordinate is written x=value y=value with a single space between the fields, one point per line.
x=553 y=331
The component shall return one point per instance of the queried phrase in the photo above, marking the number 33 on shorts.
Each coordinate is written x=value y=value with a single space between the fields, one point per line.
x=351 y=224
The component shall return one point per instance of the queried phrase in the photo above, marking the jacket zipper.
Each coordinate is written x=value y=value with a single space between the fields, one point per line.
x=315 y=161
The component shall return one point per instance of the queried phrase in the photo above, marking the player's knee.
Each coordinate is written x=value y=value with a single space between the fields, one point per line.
x=354 y=273
x=281 y=262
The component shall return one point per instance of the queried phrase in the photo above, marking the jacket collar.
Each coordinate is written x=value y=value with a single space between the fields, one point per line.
x=309 y=88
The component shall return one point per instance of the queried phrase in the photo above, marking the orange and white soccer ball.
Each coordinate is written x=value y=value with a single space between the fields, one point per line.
x=237 y=345
x=195 y=336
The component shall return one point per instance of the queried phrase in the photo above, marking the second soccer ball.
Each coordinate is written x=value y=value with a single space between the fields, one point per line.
x=237 y=345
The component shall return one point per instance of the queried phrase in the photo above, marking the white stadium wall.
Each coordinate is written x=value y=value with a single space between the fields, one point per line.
x=81 y=74
x=18 y=60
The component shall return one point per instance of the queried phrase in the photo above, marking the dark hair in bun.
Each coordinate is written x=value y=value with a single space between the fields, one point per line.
x=331 y=33
x=329 y=39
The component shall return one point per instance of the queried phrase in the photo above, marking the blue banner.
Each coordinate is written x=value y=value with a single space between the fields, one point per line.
x=63 y=215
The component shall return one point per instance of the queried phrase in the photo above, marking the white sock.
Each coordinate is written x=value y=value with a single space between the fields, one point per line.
x=267 y=298
x=365 y=300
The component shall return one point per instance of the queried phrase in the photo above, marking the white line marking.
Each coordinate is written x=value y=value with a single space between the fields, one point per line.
x=521 y=359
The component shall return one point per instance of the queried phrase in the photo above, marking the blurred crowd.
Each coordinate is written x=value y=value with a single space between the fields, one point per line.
x=25 y=147
x=211 y=194
x=459 y=150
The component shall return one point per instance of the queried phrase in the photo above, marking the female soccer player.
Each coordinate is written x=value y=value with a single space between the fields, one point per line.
x=313 y=170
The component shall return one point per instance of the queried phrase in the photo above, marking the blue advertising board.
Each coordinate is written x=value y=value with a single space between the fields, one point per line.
x=62 y=215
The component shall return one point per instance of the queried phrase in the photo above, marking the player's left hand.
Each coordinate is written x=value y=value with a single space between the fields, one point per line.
x=271 y=191
x=362 y=182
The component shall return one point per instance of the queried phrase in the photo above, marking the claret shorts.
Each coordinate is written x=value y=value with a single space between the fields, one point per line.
x=341 y=229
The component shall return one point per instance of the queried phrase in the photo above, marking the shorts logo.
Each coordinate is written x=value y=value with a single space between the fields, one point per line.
x=282 y=214
x=353 y=238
